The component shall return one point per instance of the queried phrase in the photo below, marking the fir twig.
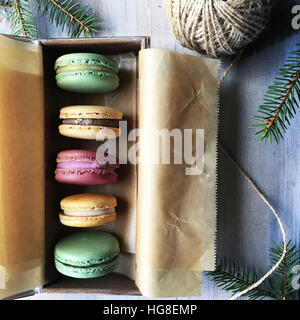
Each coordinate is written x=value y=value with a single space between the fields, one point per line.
x=283 y=275
x=22 y=22
x=6 y=3
x=280 y=101
x=70 y=14
x=233 y=277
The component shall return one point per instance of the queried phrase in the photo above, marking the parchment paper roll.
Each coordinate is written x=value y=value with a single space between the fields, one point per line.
x=176 y=212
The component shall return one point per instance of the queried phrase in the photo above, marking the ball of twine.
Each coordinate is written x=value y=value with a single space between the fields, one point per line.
x=217 y=28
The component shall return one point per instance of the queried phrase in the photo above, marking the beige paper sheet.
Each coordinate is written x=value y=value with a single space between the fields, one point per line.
x=21 y=167
x=176 y=213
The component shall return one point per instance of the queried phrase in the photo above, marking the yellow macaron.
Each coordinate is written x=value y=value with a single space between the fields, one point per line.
x=90 y=122
x=88 y=210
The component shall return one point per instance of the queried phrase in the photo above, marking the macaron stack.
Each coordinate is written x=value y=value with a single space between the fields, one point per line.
x=91 y=253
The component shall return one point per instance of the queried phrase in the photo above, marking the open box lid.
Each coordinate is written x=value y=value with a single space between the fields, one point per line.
x=22 y=182
x=23 y=219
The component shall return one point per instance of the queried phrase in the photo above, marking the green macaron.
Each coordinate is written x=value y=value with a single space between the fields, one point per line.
x=87 y=254
x=86 y=73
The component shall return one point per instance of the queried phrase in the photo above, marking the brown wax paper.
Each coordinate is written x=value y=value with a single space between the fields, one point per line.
x=21 y=167
x=176 y=212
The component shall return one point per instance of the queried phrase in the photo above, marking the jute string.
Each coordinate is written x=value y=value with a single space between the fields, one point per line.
x=217 y=28
x=253 y=185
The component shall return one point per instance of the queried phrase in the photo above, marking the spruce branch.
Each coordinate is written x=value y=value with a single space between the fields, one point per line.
x=283 y=276
x=22 y=21
x=280 y=101
x=233 y=277
x=6 y=3
x=71 y=15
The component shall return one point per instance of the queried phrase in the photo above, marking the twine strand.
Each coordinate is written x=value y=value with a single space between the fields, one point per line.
x=222 y=78
x=266 y=201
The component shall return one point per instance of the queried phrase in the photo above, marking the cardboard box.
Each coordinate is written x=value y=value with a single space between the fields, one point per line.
x=174 y=232
x=114 y=283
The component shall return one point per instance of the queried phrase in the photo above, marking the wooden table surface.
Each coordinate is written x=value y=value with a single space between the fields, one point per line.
x=246 y=227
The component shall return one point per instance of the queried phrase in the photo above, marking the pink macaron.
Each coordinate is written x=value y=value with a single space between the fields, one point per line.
x=85 y=167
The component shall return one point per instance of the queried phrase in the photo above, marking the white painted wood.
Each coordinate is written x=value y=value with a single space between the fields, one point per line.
x=4 y=21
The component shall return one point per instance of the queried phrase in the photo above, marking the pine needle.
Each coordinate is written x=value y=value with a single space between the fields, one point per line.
x=72 y=16
x=283 y=276
x=6 y=3
x=281 y=101
x=234 y=277
x=22 y=21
